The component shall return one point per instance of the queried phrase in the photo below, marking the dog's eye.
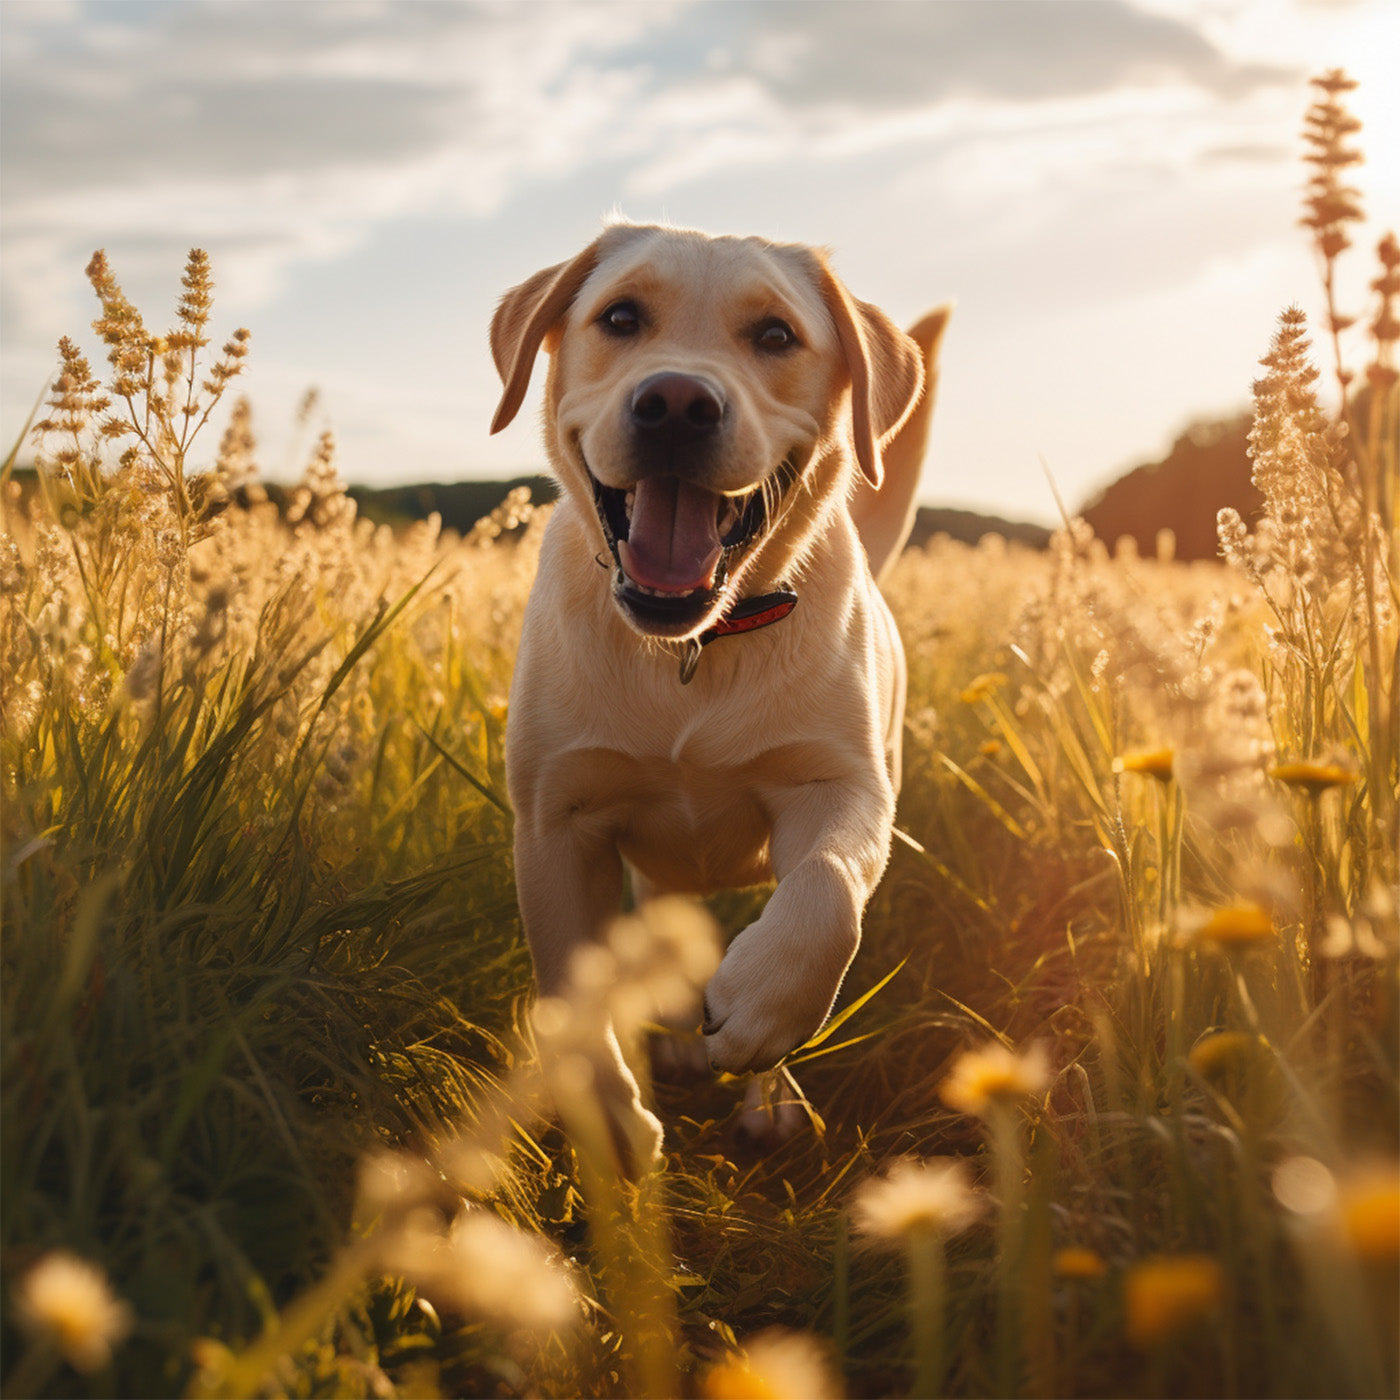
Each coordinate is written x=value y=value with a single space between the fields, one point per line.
x=774 y=335
x=621 y=318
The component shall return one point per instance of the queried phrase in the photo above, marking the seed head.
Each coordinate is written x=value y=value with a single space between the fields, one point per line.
x=122 y=330
x=1233 y=535
x=229 y=365
x=1330 y=205
x=196 y=303
x=236 y=463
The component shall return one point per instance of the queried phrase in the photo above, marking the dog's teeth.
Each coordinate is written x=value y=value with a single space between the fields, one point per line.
x=728 y=516
x=663 y=592
x=627 y=500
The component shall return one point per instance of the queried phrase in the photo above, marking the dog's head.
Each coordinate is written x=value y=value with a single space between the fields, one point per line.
x=706 y=399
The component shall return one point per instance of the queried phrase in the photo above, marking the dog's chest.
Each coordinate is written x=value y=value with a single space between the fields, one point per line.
x=687 y=825
x=695 y=829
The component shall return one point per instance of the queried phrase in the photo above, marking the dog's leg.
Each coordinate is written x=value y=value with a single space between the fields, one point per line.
x=777 y=983
x=570 y=885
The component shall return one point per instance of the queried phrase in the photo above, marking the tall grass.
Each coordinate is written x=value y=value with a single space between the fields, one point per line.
x=268 y=1067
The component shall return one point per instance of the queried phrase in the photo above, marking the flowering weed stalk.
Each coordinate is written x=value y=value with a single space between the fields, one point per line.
x=921 y=1205
x=996 y=1084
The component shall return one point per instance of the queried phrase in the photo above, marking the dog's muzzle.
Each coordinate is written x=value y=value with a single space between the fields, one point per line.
x=676 y=545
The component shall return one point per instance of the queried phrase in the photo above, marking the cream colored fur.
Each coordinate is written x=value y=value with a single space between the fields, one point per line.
x=780 y=760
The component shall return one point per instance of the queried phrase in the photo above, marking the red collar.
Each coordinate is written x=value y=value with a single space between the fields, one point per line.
x=747 y=615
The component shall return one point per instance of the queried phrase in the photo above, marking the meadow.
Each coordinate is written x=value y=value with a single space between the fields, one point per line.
x=1110 y=1104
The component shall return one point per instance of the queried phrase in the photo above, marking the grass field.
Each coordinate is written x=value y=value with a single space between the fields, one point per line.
x=1111 y=1104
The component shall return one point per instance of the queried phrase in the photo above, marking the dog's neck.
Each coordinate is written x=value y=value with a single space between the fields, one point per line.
x=746 y=615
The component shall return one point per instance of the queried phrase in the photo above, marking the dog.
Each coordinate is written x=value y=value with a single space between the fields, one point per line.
x=721 y=704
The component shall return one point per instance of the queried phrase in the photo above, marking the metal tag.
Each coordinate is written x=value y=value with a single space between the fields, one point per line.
x=690 y=659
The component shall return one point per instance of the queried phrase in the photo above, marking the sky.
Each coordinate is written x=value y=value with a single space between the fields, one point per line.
x=1109 y=192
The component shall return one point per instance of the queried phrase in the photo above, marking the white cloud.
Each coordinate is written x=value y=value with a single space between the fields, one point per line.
x=291 y=131
x=303 y=127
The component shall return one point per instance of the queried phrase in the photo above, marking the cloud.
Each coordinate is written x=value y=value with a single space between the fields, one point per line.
x=890 y=53
x=286 y=135
x=489 y=95
x=287 y=132
x=138 y=92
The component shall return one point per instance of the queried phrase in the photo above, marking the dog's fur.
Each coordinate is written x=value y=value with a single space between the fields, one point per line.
x=780 y=760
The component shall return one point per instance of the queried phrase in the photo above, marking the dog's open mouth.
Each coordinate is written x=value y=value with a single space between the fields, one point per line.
x=676 y=544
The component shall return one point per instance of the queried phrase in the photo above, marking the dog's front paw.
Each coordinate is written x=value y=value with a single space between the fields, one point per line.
x=757 y=1010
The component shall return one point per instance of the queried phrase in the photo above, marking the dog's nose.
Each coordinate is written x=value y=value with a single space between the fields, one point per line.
x=680 y=407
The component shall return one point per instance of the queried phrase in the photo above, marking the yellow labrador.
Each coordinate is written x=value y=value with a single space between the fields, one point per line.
x=721 y=704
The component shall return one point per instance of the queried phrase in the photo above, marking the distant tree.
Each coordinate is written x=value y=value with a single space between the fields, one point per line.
x=1207 y=468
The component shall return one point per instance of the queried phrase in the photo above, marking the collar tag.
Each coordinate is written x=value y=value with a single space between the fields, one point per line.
x=747 y=615
x=690 y=659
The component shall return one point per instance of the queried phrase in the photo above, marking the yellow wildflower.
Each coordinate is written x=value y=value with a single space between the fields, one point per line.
x=992 y=1075
x=982 y=687
x=1155 y=763
x=989 y=748
x=1165 y=1295
x=775 y=1365
x=1241 y=922
x=1361 y=1211
x=1078 y=1261
x=69 y=1301
x=934 y=1194
x=1368 y=1212
x=1219 y=1052
x=1313 y=777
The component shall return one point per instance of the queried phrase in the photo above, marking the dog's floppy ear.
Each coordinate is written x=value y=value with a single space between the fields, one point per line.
x=524 y=318
x=886 y=369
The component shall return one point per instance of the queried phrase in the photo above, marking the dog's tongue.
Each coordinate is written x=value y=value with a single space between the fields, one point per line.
x=673 y=540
